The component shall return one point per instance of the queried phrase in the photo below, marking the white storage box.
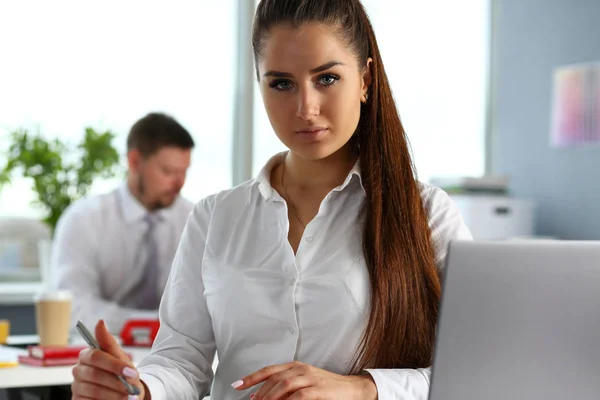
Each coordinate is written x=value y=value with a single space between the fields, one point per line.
x=496 y=217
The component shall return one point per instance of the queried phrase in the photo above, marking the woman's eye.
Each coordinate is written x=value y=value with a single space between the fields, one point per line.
x=281 y=85
x=328 y=80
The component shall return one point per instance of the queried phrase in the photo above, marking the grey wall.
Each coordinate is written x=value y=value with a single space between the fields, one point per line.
x=533 y=37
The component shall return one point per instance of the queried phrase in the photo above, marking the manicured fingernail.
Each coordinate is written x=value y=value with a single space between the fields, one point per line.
x=130 y=372
x=237 y=384
x=251 y=396
x=132 y=398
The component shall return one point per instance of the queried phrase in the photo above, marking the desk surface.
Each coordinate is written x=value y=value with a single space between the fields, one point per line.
x=18 y=293
x=30 y=376
x=24 y=376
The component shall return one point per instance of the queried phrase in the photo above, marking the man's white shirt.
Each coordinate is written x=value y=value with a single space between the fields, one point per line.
x=98 y=254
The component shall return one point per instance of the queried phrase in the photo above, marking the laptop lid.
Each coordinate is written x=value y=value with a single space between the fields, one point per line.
x=519 y=320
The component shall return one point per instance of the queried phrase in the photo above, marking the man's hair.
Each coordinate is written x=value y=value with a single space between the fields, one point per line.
x=156 y=131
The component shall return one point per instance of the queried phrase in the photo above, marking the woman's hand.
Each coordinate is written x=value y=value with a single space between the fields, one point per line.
x=301 y=381
x=96 y=372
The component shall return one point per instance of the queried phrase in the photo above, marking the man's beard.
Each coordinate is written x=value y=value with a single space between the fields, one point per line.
x=153 y=205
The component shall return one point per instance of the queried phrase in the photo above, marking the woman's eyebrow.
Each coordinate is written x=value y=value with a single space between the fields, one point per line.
x=321 y=68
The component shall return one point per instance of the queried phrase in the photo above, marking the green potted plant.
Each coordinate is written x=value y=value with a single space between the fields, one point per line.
x=60 y=173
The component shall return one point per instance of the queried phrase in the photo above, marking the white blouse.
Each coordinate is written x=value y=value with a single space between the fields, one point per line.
x=236 y=288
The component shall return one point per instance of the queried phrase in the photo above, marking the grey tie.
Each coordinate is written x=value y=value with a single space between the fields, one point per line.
x=148 y=298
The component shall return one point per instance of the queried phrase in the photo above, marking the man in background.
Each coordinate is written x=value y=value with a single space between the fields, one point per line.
x=114 y=251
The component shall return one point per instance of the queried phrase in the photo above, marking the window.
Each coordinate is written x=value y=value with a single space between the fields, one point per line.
x=72 y=64
x=106 y=64
x=436 y=56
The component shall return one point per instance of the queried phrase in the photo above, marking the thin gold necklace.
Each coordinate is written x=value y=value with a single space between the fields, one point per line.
x=287 y=197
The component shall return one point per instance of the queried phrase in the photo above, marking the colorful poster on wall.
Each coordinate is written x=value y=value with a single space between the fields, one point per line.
x=576 y=105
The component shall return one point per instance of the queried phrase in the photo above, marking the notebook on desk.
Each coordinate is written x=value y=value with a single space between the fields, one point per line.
x=8 y=359
x=55 y=352
x=51 y=356
x=47 y=362
x=519 y=320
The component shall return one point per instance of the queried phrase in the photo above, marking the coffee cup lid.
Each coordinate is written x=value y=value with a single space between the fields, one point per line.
x=53 y=295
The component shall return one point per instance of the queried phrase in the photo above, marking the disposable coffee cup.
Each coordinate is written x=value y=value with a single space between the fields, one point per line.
x=53 y=317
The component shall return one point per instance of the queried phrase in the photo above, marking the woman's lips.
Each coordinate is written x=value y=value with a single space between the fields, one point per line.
x=312 y=133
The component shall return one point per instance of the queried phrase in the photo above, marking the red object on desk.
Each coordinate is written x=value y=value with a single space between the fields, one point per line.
x=53 y=360
x=53 y=352
x=139 y=332
x=47 y=362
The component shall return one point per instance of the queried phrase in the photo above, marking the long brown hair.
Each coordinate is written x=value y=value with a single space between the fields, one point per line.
x=405 y=285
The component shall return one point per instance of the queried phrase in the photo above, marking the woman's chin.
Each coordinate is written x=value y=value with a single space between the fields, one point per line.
x=316 y=152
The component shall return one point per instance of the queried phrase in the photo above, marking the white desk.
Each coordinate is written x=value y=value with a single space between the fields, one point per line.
x=25 y=376
x=19 y=293
x=29 y=376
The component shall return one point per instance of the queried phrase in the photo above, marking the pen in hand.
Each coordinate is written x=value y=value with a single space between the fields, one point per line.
x=91 y=340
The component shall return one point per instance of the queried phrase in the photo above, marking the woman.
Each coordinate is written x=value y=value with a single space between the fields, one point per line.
x=319 y=279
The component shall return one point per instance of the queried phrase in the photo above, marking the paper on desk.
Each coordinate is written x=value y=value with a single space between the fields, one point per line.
x=8 y=359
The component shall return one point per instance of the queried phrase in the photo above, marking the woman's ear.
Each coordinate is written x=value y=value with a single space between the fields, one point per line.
x=366 y=81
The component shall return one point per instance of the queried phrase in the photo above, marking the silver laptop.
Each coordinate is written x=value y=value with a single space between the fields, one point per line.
x=519 y=320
